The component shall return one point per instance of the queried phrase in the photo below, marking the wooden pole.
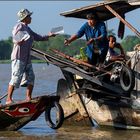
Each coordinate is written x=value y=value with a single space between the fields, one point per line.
x=79 y=61
x=73 y=59
x=124 y=21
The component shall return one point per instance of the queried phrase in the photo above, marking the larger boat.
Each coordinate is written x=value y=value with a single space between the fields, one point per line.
x=94 y=98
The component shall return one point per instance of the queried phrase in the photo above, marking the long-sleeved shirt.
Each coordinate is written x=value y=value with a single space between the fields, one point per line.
x=94 y=32
x=22 y=52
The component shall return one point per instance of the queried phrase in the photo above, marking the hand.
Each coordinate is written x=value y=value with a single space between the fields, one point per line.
x=66 y=42
x=112 y=44
x=90 y=41
x=20 y=42
x=117 y=58
x=50 y=34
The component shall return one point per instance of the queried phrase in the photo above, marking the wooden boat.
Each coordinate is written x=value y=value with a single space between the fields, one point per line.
x=93 y=98
x=16 y=115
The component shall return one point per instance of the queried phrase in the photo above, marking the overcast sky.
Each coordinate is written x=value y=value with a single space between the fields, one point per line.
x=46 y=15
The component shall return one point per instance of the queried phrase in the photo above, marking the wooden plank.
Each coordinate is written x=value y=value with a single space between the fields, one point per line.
x=123 y=20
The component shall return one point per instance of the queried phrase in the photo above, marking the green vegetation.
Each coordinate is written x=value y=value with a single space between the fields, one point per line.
x=4 y=61
x=5 y=49
x=129 y=42
x=38 y=61
x=57 y=42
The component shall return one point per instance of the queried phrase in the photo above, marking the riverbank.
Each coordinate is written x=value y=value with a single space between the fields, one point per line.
x=9 y=61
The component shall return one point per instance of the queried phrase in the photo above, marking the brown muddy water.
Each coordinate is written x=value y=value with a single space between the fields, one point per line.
x=46 y=83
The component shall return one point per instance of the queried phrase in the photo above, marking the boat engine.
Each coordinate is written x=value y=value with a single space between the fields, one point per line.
x=116 y=74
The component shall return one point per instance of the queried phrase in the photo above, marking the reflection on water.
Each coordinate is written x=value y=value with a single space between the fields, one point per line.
x=70 y=133
x=46 y=83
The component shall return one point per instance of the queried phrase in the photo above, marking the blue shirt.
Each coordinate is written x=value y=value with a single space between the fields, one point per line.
x=94 y=32
x=22 y=52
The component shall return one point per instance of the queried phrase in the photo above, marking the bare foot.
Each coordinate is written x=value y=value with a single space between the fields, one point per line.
x=9 y=102
x=28 y=99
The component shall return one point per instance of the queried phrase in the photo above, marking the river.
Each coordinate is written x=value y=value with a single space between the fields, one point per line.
x=46 y=83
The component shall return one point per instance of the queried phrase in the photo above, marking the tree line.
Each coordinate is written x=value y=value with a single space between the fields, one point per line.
x=57 y=42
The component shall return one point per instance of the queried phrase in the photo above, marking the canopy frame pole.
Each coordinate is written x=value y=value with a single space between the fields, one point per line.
x=123 y=20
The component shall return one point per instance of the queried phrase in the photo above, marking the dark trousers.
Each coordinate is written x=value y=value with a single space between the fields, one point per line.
x=98 y=58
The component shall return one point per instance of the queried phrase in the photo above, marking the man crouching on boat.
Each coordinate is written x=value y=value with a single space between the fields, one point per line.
x=23 y=38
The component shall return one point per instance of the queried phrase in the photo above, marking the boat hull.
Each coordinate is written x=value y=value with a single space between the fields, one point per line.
x=81 y=108
x=15 y=116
